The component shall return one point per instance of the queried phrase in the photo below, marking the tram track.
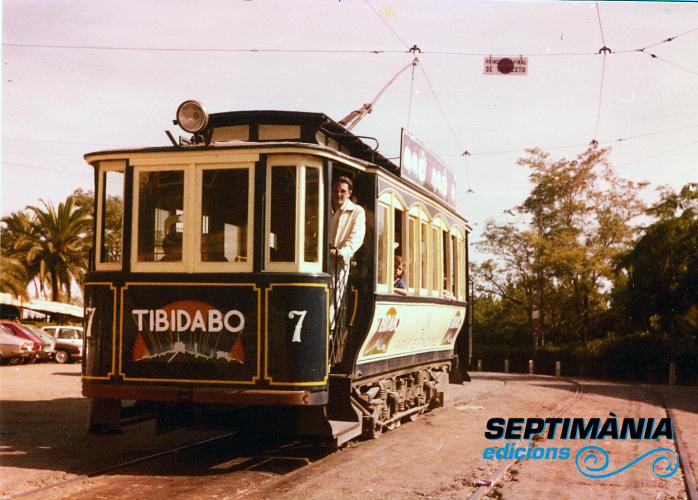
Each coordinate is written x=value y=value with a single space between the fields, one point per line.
x=490 y=482
x=282 y=455
x=689 y=480
x=121 y=465
x=245 y=453
x=684 y=460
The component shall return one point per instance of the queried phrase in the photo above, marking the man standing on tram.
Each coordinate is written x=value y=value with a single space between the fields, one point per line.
x=346 y=236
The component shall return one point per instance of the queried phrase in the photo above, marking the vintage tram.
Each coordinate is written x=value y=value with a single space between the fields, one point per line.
x=211 y=282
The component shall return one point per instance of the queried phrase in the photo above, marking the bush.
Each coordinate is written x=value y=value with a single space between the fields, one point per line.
x=642 y=357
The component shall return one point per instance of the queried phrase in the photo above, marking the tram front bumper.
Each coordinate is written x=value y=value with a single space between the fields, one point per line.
x=224 y=396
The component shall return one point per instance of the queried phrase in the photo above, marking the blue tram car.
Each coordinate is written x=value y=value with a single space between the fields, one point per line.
x=212 y=283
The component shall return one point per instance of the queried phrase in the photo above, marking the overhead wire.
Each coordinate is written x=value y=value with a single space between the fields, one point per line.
x=603 y=50
x=47 y=169
x=655 y=56
x=415 y=49
x=283 y=51
x=663 y=153
x=409 y=107
x=671 y=38
x=397 y=35
x=570 y=146
x=194 y=49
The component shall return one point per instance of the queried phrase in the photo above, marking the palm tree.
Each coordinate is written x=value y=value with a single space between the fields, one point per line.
x=13 y=277
x=18 y=229
x=59 y=249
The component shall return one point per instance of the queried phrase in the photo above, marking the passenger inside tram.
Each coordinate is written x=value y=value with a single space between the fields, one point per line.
x=172 y=242
x=399 y=286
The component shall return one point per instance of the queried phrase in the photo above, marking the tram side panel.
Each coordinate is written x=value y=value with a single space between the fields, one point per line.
x=404 y=334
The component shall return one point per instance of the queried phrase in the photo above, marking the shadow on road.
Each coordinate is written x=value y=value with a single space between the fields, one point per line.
x=51 y=435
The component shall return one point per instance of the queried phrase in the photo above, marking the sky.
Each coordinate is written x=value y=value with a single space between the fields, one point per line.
x=80 y=76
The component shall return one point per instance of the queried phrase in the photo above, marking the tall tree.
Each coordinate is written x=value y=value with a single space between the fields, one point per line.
x=657 y=286
x=559 y=257
x=512 y=274
x=60 y=249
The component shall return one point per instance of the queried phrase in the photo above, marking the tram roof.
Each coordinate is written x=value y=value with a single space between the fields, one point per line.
x=310 y=124
x=314 y=123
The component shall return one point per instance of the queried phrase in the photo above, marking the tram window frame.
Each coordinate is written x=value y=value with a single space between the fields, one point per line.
x=412 y=223
x=458 y=244
x=421 y=215
x=391 y=203
x=439 y=226
x=104 y=168
x=383 y=238
x=185 y=264
x=448 y=262
x=300 y=163
x=224 y=266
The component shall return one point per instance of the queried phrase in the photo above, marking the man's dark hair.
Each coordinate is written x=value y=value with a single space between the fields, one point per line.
x=345 y=180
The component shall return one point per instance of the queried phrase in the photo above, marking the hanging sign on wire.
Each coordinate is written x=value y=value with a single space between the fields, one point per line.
x=506 y=65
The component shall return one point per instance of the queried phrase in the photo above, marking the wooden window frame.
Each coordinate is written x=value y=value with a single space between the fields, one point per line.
x=104 y=167
x=301 y=163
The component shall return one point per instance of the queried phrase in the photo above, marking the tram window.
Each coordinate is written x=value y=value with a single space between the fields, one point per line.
x=461 y=266
x=382 y=229
x=412 y=245
x=283 y=214
x=312 y=215
x=447 y=261
x=160 y=215
x=224 y=207
x=398 y=249
x=112 y=217
x=455 y=269
x=436 y=256
x=424 y=247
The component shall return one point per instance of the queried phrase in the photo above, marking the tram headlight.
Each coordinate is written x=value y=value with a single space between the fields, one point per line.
x=192 y=116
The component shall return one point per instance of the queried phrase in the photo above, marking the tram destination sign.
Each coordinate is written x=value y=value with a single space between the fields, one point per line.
x=506 y=65
x=425 y=169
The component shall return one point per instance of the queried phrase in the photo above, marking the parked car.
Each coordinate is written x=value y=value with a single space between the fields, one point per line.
x=68 y=342
x=18 y=331
x=14 y=349
x=49 y=349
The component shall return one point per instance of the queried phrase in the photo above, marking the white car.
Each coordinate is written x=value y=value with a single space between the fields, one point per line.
x=68 y=342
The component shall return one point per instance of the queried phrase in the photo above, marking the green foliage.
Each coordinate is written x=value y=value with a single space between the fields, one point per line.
x=556 y=261
x=13 y=277
x=47 y=243
x=657 y=280
x=576 y=253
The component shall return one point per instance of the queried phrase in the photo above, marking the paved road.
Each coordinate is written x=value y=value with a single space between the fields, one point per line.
x=438 y=456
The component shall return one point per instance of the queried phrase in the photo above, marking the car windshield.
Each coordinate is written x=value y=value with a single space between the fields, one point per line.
x=40 y=333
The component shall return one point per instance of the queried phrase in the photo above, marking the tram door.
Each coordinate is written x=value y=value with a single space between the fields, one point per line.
x=348 y=279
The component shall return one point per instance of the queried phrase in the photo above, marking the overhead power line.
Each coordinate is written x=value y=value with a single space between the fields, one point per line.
x=61 y=171
x=397 y=35
x=605 y=51
x=663 y=153
x=571 y=146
